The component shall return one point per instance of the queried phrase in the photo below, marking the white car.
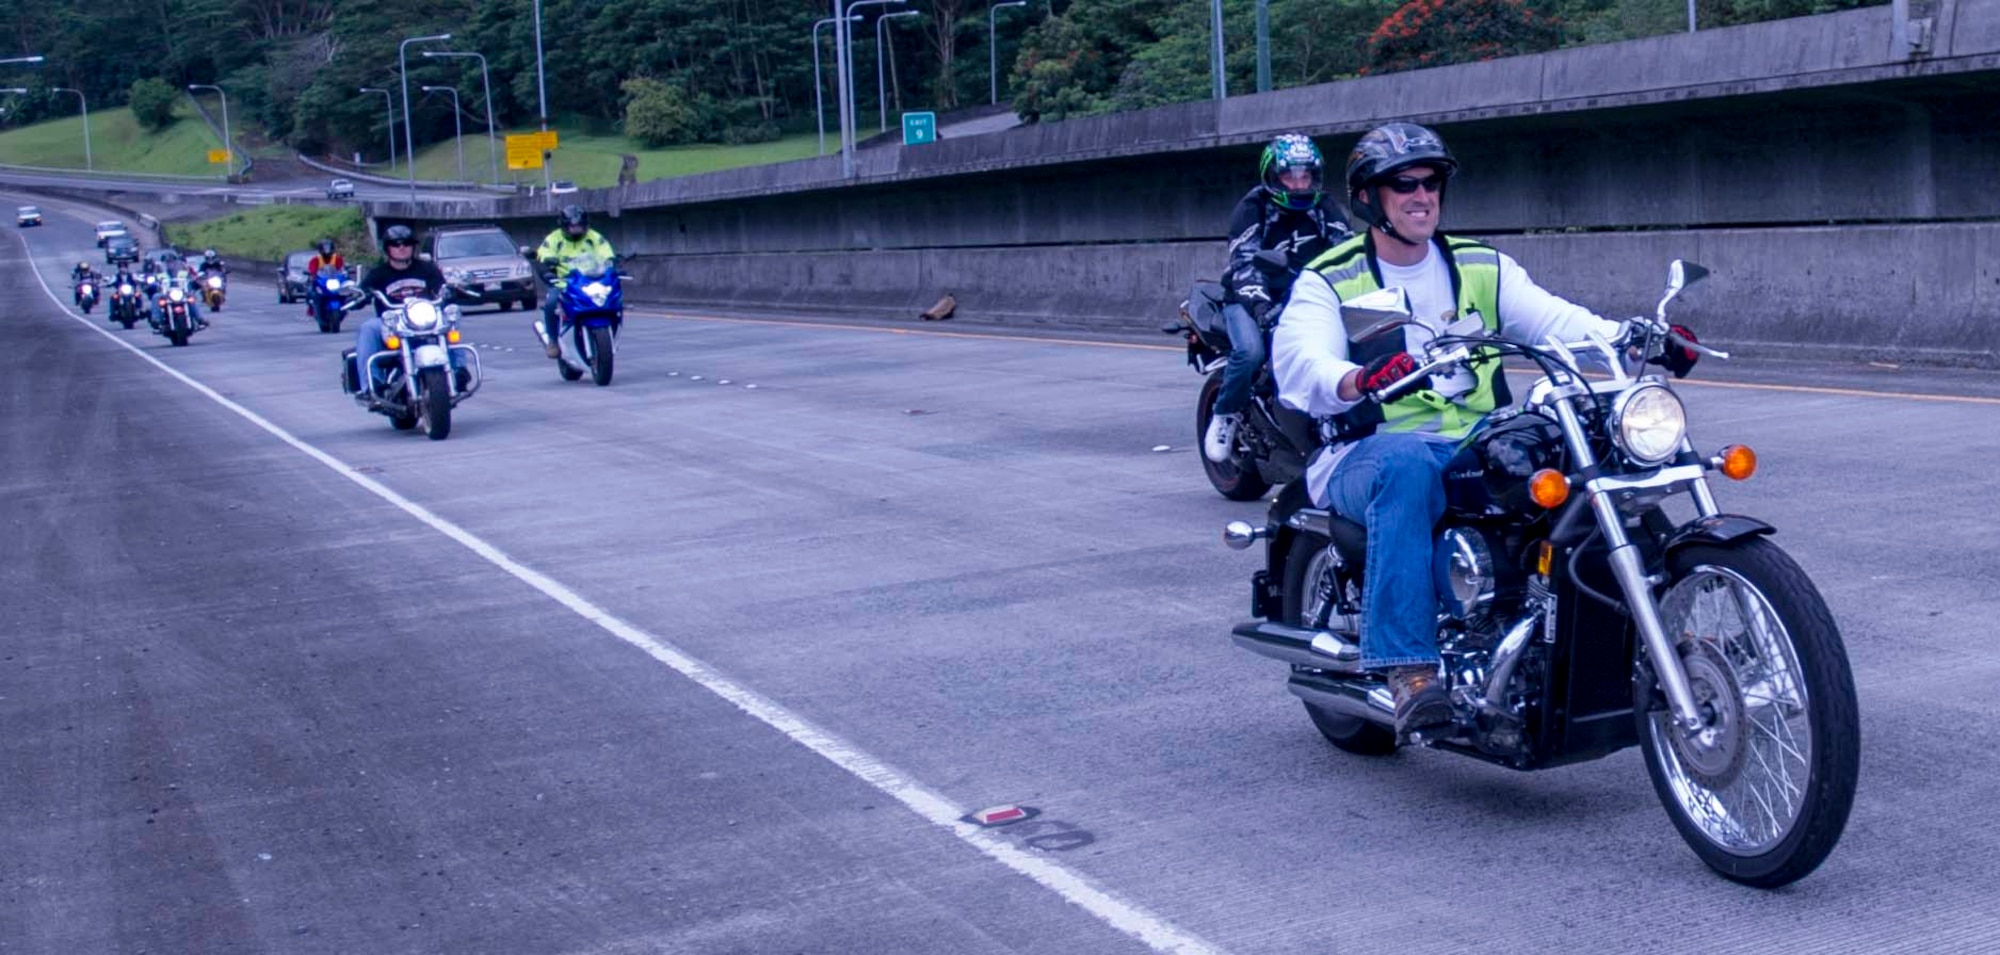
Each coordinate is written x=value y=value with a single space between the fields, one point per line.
x=561 y=187
x=107 y=229
x=340 y=189
x=26 y=216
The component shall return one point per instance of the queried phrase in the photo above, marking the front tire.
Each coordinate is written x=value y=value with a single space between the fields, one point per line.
x=1236 y=478
x=601 y=354
x=435 y=407
x=1306 y=564
x=1762 y=794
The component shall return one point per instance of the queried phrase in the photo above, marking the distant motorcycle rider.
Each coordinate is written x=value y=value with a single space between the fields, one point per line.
x=79 y=275
x=572 y=239
x=1287 y=212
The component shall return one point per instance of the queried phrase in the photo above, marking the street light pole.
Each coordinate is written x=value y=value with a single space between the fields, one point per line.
x=388 y=101
x=1215 y=55
x=881 y=88
x=993 y=52
x=542 y=93
x=819 y=104
x=85 y=106
x=457 y=125
x=485 y=83
x=403 y=69
x=853 y=105
x=228 y=146
x=1263 y=46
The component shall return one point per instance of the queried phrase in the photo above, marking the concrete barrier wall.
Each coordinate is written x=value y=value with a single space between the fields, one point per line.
x=1801 y=156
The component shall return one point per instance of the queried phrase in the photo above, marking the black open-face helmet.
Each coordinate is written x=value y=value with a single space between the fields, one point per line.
x=398 y=234
x=1293 y=152
x=573 y=221
x=325 y=247
x=1382 y=153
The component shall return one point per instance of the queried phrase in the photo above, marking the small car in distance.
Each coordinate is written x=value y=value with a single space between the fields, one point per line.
x=121 y=249
x=108 y=228
x=561 y=187
x=26 y=216
x=292 y=278
x=340 y=189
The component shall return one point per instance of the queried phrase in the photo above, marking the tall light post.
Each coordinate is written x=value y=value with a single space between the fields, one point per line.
x=881 y=87
x=1263 y=46
x=993 y=52
x=457 y=126
x=85 y=106
x=403 y=69
x=228 y=145
x=853 y=106
x=389 y=102
x=486 y=83
x=819 y=105
x=1215 y=54
x=542 y=91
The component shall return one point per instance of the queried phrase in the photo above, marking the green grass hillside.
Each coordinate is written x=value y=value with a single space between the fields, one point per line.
x=117 y=143
x=266 y=233
x=595 y=160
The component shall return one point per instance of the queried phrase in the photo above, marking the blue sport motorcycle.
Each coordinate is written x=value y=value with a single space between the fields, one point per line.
x=324 y=298
x=590 y=310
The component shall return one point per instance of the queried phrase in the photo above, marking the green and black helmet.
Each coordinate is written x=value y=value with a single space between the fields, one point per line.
x=1293 y=152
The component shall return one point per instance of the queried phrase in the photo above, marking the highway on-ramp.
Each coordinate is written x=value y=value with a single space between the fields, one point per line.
x=686 y=665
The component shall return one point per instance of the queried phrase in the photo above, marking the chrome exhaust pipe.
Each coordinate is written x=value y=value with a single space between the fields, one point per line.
x=1363 y=701
x=1318 y=649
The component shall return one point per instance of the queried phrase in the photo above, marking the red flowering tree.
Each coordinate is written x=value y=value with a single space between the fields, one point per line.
x=1441 y=32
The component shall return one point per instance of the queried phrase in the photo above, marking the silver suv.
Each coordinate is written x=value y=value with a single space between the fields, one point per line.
x=482 y=259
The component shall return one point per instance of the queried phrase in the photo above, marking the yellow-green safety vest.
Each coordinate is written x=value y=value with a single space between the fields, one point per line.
x=1475 y=279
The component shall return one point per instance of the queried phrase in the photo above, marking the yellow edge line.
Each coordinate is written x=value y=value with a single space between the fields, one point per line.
x=1739 y=385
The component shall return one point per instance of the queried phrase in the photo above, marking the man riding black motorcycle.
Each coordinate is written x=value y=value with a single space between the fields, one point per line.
x=1385 y=468
x=1288 y=212
x=79 y=275
x=573 y=238
x=399 y=276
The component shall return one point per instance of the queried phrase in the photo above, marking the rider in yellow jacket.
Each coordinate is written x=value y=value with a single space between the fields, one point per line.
x=572 y=241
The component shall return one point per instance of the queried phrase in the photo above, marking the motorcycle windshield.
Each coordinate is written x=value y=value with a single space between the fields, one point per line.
x=593 y=291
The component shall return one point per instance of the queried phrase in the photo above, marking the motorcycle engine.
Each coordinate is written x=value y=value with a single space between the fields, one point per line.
x=1467 y=577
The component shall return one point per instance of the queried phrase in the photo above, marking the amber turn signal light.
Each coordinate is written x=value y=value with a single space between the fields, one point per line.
x=1548 y=488
x=392 y=342
x=452 y=336
x=1737 y=462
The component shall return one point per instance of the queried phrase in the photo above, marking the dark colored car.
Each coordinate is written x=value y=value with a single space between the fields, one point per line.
x=292 y=277
x=120 y=248
x=482 y=259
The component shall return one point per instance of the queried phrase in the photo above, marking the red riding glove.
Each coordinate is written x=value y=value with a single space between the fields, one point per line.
x=1676 y=357
x=1387 y=370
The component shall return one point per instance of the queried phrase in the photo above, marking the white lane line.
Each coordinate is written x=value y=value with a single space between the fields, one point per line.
x=1155 y=932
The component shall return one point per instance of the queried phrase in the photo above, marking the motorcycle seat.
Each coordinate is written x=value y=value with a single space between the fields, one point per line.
x=1205 y=308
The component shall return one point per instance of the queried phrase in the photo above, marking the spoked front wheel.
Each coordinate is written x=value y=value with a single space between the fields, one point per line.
x=1763 y=790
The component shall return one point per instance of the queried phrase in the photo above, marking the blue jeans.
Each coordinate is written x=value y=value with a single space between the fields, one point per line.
x=1246 y=355
x=1393 y=484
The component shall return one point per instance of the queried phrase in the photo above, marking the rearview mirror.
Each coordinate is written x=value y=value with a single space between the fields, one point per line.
x=1375 y=314
x=1680 y=274
x=423 y=257
x=527 y=253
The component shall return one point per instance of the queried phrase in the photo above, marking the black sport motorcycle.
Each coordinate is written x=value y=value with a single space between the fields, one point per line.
x=1273 y=442
x=1578 y=618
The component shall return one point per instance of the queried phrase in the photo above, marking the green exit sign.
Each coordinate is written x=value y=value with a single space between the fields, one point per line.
x=919 y=128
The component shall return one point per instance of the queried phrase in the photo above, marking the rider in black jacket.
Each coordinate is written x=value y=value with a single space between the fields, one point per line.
x=1290 y=213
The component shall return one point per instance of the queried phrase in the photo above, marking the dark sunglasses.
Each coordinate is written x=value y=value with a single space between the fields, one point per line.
x=405 y=243
x=1404 y=185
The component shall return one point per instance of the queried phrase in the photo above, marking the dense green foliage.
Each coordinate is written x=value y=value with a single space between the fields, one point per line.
x=727 y=71
x=267 y=233
x=152 y=103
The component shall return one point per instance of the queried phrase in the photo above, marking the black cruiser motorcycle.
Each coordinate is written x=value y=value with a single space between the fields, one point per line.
x=1273 y=442
x=1578 y=618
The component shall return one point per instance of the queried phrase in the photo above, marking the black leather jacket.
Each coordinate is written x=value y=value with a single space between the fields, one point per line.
x=1259 y=224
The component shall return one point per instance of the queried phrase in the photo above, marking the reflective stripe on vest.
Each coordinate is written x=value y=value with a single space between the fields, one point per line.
x=1475 y=269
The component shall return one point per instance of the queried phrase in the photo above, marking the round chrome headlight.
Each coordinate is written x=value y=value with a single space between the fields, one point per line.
x=124 y=289
x=1649 y=423
x=421 y=314
x=176 y=294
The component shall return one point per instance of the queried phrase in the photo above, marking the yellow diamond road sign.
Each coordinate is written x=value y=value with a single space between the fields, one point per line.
x=218 y=156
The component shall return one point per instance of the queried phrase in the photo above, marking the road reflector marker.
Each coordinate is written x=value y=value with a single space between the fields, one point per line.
x=994 y=816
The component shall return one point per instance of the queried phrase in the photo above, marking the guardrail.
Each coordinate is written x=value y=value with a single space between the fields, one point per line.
x=345 y=173
x=162 y=177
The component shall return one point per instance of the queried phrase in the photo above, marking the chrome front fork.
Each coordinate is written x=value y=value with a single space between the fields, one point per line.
x=1630 y=570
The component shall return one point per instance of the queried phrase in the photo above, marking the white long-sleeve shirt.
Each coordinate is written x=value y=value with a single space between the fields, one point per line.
x=1309 y=347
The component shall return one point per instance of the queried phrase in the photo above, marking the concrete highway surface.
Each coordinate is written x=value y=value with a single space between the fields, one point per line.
x=686 y=665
